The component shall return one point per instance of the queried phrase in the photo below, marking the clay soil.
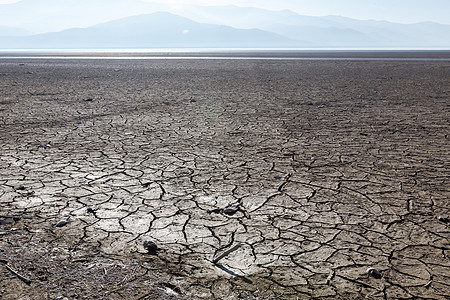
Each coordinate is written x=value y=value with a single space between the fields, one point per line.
x=334 y=166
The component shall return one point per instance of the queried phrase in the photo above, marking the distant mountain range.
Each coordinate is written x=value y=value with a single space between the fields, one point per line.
x=199 y=26
x=155 y=30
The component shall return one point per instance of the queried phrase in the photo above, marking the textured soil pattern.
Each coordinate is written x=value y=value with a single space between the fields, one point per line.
x=333 y=167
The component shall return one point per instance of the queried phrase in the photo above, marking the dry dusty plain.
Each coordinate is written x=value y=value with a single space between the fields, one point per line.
x=335 y=166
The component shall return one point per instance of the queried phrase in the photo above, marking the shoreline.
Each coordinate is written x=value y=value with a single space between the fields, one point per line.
x=268 y=54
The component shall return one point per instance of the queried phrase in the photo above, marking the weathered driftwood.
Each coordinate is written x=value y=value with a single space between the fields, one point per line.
x=216 y=260
x=330 y=277
x=21 y=277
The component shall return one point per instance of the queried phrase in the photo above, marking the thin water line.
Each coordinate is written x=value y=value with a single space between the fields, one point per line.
x=225 y=58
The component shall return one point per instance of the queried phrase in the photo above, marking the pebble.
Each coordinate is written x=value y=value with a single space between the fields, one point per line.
x=61 y=223
x=444 y=219
x=214 y=210
x=4 y=222
x=277 y=177
x=147 y=184
x=150 y=247
x=374 y=273
x=29 y=194
x=232 y=210
x=193 y=99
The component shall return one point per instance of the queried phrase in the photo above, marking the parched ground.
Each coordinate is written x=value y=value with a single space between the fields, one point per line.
x=336 y=166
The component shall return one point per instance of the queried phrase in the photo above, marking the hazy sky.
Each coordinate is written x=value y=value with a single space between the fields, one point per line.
x=403 y=11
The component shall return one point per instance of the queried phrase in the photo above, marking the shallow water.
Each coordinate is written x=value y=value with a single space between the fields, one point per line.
x=235 y=54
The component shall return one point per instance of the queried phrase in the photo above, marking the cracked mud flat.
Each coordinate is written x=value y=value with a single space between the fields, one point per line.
x=338 y=166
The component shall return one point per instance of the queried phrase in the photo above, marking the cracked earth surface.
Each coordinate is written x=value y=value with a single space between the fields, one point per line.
x=336 y=166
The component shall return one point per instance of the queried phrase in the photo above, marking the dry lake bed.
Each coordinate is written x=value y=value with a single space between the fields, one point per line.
x=318 y=168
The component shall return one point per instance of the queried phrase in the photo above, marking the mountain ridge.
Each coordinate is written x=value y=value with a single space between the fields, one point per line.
x=282 y=28
x=159 y=29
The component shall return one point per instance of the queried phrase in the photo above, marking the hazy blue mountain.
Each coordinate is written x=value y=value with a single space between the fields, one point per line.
x=425 y=34
x=327 y=31
x=153 y=30
x=230 y=15
x=107 y=23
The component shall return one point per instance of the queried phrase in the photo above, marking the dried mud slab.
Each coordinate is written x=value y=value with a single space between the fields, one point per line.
x=334 y=167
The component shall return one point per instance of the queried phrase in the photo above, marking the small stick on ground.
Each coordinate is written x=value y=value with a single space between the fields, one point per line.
x=330 y=277
x=23 y=278
x=216 y=260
